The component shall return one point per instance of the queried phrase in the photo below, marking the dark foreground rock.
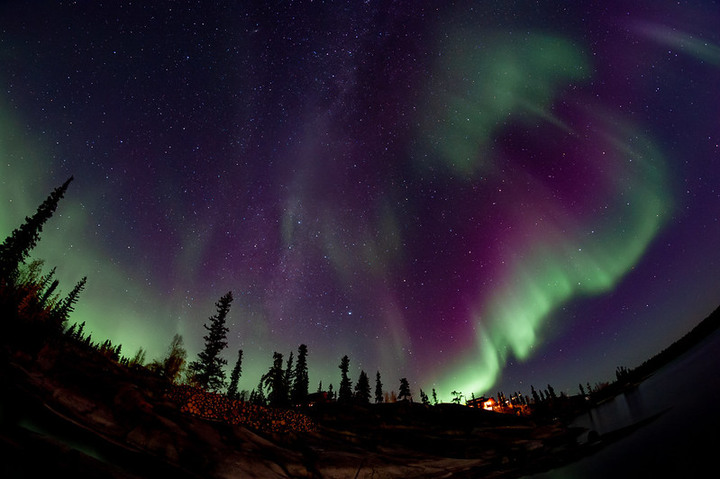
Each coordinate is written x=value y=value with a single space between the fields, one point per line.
x=68 y=413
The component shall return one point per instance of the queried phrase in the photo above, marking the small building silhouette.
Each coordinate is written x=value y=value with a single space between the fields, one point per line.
x=317 y=398
x=482 y=403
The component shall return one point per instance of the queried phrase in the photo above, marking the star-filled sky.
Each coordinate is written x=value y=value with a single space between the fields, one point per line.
x=478 y=196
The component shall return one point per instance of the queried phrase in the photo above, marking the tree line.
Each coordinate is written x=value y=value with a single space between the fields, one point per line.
x=27 y=294
x=33 y=311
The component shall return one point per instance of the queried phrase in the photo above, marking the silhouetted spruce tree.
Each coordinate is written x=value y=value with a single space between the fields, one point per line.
x=67 y=306
x=500 y=398
x=435 y=399
x=274 y=380
x=232 y=391
x=378 y=388
x=70 y=332
x=174 y=361
x=424 y=398
x=535 y=395
x=345 y=391
x=362 y=388
x=289 y=375
x=77 y=334
x=551 y=392
x=30 y=273
x=45 y=298
x=257 y=396
x=404 y=390
x=208 y=370
x=22 y=240
x=47 y=279
x=301 y=380
x=137 y=361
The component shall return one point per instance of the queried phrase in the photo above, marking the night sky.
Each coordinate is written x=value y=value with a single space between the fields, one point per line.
x=478 y=196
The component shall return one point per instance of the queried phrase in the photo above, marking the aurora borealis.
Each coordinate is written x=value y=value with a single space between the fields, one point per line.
x=476 y=196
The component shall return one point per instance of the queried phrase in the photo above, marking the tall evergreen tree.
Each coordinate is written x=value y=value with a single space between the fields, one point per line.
x=137 y=361
x=78 y=333
x=47 y=279
x=174 y=361
x=362 y=388
x=232 y=392
x=208 y=369
x=48 y=292
x=301 y=380
x=535 y=395
x=551 y=392
x=378 y=388
x=345 y=391
x=404 y=390
x=16 y=247
x=274 y=380
x=289 y=375
x=67 y=306
x=47 y=286
x=257 y=397
x=30 y=273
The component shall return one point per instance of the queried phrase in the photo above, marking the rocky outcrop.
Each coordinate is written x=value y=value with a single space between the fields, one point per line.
x=93 y=417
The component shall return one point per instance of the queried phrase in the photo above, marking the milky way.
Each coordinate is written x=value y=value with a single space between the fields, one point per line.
x=472 y=197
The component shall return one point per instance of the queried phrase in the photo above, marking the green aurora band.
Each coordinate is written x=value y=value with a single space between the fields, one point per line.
x=114 y=303
x=569 y=255
x=476 y=93
x=482 y=84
